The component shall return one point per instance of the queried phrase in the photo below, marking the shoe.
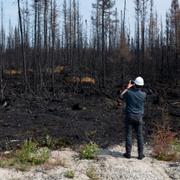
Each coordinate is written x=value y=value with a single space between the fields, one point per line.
x=141 y=156
x=126 y=155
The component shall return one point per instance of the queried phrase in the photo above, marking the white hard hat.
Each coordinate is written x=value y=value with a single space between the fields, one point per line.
x=139 y=81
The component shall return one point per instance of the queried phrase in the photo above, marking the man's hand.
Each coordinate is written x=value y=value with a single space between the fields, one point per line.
x=129 y=85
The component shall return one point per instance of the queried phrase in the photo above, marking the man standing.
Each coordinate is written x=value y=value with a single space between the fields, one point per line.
x=134 y=111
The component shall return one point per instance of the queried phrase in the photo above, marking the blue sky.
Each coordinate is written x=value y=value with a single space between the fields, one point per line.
x=161 y=6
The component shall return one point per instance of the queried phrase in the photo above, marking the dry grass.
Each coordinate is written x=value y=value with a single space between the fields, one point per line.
x=164 y=146
x=88 y=80
x=51 y=163
x=58 y=69
x=91 y=173
x=82 y=80
x=12 y=72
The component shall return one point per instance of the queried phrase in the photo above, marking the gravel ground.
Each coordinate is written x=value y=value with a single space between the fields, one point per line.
x=109 y=165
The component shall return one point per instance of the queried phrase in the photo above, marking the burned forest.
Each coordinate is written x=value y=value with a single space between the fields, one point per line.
x=61 y=74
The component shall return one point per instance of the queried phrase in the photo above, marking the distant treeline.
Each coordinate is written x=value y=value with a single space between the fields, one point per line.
x=52 y=33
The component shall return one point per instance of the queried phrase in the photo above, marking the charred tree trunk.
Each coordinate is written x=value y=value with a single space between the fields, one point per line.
x=137 y=8
x=22 y=46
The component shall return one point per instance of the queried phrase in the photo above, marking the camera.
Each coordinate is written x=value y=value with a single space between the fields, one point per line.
x=132 y=82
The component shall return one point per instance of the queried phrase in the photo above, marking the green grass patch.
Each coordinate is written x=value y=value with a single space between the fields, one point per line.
x=69 y=174
x=55 y=143
x=176 y=145
x=28 y=155
x=89 y=151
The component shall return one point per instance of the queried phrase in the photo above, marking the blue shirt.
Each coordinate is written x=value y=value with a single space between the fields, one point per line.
x=134 y=99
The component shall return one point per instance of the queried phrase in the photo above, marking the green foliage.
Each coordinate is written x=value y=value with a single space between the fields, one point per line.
x=54 y=143
x=49 y=141
x=176 y=145
x=69 y=174
x=89 y=151
x=30 y=153
x=91 y=173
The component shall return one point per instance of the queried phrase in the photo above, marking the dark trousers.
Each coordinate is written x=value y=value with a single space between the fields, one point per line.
x=137 y=126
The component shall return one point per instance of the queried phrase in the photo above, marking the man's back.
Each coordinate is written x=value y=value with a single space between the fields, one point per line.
x=134 y=99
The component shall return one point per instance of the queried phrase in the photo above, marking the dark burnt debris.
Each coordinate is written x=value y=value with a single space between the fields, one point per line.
x=78 y=113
